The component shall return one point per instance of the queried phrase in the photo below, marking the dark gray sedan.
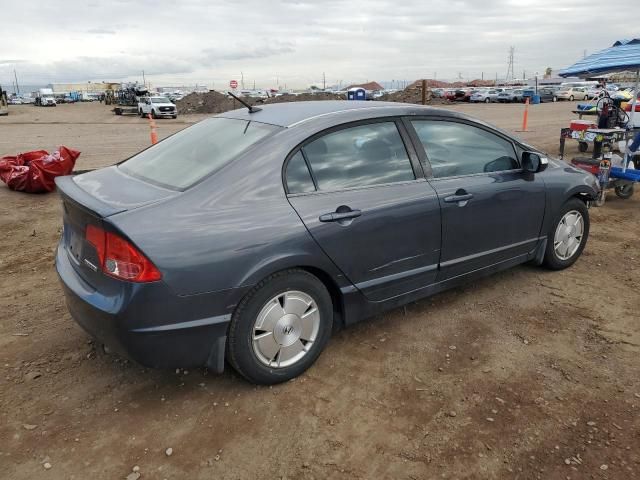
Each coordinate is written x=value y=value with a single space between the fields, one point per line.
x=250 y=236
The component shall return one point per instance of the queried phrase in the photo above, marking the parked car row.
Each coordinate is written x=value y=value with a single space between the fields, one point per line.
x=521 y=94
x=502 y=94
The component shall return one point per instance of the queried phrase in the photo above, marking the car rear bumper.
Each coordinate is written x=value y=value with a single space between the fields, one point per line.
x=130 y=323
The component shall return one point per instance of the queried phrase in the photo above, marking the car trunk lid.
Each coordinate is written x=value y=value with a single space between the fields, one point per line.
x=90 y=199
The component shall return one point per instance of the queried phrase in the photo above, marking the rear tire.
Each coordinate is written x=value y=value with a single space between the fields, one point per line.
x=568 y=235
x=280 y=327
x=555 y=99
x=571 y=98
x=487 y=100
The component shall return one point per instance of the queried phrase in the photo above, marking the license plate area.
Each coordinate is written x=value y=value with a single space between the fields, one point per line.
x=74 y=242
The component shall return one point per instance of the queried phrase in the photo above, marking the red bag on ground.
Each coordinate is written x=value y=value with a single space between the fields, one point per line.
x=34 y=172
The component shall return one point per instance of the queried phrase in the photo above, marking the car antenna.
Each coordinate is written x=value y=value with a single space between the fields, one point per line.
x=251 y=109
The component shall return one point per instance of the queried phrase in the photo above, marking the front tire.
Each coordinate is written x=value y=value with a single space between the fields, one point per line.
x=624 y=191
x=486 y=100
x=555 y=99
x=568 y=235
x=280 y=327
x=571 y=98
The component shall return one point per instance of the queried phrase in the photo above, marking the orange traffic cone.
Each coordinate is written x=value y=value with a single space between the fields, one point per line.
x=154 y=134
x=525 y=117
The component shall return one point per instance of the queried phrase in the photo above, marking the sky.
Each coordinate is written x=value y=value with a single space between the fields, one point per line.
x=294 y=43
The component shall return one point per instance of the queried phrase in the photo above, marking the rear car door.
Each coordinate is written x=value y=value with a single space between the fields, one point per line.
x=360 y=192
x=492 y=211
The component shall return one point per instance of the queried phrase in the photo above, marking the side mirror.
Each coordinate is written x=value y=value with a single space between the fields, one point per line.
x=534 y=162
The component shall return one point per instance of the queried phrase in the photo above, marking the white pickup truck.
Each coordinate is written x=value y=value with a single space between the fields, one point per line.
x=157 y=107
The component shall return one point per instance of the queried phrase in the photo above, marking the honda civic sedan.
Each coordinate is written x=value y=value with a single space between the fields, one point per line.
x=251 y=235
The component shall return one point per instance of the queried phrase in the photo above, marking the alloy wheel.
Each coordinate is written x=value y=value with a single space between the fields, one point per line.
x=568 y=235
x=285 y=329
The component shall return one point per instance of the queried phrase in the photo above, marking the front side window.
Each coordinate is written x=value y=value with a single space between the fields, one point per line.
x=459 y=149
x=359 y=156
x=193 y=153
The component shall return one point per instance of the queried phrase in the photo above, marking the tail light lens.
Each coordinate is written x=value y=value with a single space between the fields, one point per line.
x=119 y=258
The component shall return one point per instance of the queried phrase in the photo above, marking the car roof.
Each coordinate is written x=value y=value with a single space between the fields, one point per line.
x=289 y=114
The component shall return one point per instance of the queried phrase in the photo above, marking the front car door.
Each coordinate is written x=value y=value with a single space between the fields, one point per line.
x=360 y=192
x=491 y=210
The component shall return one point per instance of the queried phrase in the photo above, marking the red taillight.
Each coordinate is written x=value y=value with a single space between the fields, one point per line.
x=119 y=258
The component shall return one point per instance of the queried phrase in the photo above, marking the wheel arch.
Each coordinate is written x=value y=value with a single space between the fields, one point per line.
x=336 y=295
x=582 y=193
x=325 y=272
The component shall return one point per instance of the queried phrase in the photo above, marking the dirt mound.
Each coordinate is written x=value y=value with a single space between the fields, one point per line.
x=412 y=95
x=304 y=97
x=215 y=102
x=210 y=102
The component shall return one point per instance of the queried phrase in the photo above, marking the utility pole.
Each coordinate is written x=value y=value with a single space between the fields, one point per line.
x=482 y=76
x=254 y=84
x=324 y=82
x=16 y=77
x=144 y=81
x=242 y=80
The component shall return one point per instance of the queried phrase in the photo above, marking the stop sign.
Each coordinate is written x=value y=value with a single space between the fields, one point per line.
x=233 y=84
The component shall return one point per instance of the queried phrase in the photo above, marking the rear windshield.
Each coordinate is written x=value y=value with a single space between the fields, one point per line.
x=193 y=153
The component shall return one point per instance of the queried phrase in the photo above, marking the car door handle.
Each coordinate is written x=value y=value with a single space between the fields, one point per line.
x=338 y=216
x=457 y=198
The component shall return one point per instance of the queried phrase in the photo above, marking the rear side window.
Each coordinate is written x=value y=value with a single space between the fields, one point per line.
x=193 y=153
x=297 y=175
x=359 y=156
x=459 y=149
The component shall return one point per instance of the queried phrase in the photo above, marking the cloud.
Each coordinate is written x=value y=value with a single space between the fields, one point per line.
x=98 y=68
x=101 y=31
x=296 y=41
x=262 y=49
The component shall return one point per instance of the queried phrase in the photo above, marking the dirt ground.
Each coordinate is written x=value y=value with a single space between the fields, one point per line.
x=528 y=374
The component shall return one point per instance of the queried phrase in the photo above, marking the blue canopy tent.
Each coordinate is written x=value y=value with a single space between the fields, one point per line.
x=623 y=56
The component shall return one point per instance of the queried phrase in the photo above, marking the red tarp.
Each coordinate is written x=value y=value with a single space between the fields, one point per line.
x=34 y=172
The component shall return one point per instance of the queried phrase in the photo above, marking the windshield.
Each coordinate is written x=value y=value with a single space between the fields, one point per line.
x=160 y=100
x=193 y=153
